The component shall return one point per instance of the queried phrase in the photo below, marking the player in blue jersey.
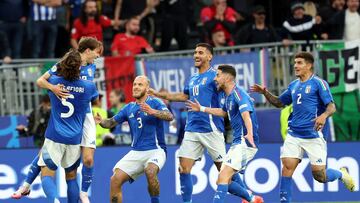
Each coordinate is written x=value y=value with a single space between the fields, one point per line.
x=64 y=132
x=148 y=155
x=239 y=108
x=202 y=131
x=312 y=105
x=89 y=49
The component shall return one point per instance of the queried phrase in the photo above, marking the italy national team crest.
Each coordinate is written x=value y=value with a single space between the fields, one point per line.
x=307 y=89
x=203 y=82
x=90 y=72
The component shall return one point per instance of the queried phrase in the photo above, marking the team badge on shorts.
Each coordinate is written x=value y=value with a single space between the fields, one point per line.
x=307 y=89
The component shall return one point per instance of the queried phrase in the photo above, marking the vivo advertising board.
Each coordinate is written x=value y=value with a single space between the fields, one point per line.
x=261 y=176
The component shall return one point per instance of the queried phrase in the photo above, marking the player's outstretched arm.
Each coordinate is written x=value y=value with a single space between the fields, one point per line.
x=180 y=97
x=160 y=114
x=274 y=100
x=106 y=123
x=58 y=90
x=249 y=127
x=195 y=106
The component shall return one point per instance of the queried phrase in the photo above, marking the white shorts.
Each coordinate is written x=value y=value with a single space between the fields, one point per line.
x=239 y=155
x=193 y=144
x=315 y=149
x=55 y=154
x=135 y=162
x=89 y=132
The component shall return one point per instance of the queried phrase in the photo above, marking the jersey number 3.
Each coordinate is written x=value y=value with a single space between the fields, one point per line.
x=69 y=105
x=140 y=122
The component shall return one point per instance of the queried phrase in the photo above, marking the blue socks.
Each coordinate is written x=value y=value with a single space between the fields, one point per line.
x=285 y=189
x=155 y=199
x=332 y=175
x=49 y=188
x=34 y=171
x=236 y=178
x=220 y=194
x=87 y=176
x=236 y=189
x=186 y=186
x=72 y=191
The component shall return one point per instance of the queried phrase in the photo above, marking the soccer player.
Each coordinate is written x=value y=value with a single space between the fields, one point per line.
x=89 y=49
x=241 y=112
x=312 y=104
x=148 y=154
x=202 y=130
x=64 y=132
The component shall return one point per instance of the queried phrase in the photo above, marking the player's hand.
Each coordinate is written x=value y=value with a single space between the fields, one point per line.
x=320 y=122
x=257 y=88
x=250 y=138
x=193 y=106
x=59 y=91
x=20 y=127
x=146 y=108
x=97 y=118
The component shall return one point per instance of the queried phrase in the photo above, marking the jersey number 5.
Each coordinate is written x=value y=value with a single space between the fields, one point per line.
x=298 y=99
x=69 y=105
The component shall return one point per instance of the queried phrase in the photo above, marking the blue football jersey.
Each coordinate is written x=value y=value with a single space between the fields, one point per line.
x=68 y=115
x=86 y=72
x=147 y=131
x=237 y=102
x=309 y=100
x=202 y=87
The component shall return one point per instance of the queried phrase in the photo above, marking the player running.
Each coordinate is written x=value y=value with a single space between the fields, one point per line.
x=64 y=132
x=89 y=49
x=312 y=105
x=148 y=154
x=241 y=112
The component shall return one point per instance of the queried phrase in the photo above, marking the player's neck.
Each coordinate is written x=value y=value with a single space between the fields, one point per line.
x=142 y=99
x=204 y=68
x=83 y=59
x=305 y=77
x=229 y=87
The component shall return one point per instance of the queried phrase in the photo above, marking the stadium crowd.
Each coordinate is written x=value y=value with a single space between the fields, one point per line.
x=48 y=28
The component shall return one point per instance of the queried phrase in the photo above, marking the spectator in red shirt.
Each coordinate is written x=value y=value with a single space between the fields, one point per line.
x=219 y=17
x=129 y=43
x=90 y=23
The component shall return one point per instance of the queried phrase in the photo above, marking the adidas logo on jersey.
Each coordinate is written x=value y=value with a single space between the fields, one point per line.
x=131 y=115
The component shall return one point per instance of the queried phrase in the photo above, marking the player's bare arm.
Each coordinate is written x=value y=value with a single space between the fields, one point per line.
x=160 y=114
x=181 y=97
x=320 y=120
x=195 y=106
x=274 y=100
x=249 y=127
x=106 y=123
x=58 y=90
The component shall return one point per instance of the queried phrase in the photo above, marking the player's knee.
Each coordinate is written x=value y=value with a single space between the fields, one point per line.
x=150 y=172
x=88 y=161
x=115 y=181
x=183 y=168
x=70 y=175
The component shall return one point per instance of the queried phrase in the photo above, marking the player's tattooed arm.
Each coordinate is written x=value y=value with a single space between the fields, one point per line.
x=330 y=109
x=169 y=96
x=274 y=100
x=108 y=123
x=321 y=120
x=160 y=114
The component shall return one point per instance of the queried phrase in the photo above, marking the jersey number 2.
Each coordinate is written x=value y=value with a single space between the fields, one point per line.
x=69 y=105
x=298 y=99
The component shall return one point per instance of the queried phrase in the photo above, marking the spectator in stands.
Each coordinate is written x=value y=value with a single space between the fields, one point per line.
x=219 y=17
x=44 y=27
x=129 y=43
x=300 y=26
x=13 y=16
x=175 y=18
x=97 y=109
x=4 y=48
x=328 y=12
x=144 y=9
x=90 y=23
x=257 y=31
x=218 y=39
x=117 y=101
x=346 y=23
x=37 y=122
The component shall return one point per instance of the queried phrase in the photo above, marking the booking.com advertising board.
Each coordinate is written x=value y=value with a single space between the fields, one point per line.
x=261 y=176
x=172 y=74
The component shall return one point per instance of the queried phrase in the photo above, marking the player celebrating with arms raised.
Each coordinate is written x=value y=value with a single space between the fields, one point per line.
x=312 y=105
x=148 y=155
